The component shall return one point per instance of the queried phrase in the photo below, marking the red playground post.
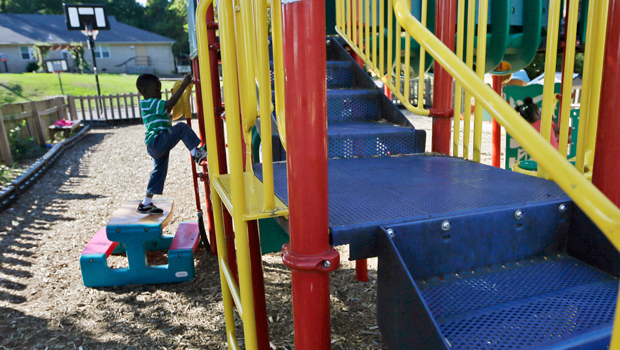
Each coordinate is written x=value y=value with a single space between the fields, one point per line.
x=442 y=111
x=497 y=129
x=606 y=169
x=361 y=266
x=308 y=255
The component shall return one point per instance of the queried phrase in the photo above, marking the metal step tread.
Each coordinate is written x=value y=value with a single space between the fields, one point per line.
x=532 y=304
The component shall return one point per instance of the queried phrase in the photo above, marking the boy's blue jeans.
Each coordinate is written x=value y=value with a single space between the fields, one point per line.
x=159 y=150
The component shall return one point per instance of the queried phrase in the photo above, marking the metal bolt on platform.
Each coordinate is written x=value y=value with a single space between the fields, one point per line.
x=390 y=232
x=563 y=208
x=445 y=225
x=518 y=214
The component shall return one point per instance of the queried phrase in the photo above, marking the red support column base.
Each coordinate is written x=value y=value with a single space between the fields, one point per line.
x=442 y=113
x=325 y=262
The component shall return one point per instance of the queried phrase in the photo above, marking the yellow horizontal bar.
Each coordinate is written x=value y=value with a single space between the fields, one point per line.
x=232 y=285
x=594 y=203
x=253 y=196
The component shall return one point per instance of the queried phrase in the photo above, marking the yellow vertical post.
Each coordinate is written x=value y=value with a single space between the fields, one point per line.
x=421 y=70
x=390 y=21
x=597 y=78
x=458 y=90
x=567 y=78
x=360 y=25
x=367 y=29
x=586 y=87
x=350 y=14
x=278 y=69
x=481 y=58
x=265 y=103
x=247 y=78
x=354 y=10
x=340 y=13
x=407 y=75
x=397 y=55
x=212 y=155
x=471 y=24
x=374 y=35
x=553 y=27
x=381 y=39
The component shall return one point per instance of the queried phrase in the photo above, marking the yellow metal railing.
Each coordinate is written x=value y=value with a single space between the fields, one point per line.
x=602 y=211
x=247 y=88
x=591 y=82
x=367 y=39
x=598 y=207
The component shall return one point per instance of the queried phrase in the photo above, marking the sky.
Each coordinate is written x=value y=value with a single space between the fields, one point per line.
x=142 y=2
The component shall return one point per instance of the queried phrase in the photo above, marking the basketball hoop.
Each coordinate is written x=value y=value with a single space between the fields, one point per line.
x=89 y=19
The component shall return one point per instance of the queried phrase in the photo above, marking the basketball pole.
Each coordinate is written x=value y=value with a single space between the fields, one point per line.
x=91 y=45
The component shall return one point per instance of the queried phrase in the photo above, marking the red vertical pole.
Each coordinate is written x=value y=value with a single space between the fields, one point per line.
x=361 y=266
x=442 y=112
x=387 y=92
x=199 y=113
x=606 y=166
x=497 y=129
x=258 y=286
x=308 y=255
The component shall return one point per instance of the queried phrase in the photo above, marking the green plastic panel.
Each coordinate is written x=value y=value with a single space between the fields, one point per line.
x=514 y=95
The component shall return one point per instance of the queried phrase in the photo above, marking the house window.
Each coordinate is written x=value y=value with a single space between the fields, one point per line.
x=27 y=53
x=102 y=51
x=65 y=54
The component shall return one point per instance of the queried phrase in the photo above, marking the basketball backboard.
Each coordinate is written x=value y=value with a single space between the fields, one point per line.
x=88 y=17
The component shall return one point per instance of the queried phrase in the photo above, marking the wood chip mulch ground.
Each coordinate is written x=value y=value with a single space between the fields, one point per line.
x=44 y=305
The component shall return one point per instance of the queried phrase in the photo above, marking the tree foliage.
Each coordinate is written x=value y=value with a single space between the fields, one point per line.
x=163 y=17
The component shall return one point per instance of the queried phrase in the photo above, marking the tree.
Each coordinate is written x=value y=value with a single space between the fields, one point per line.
x=169 y=19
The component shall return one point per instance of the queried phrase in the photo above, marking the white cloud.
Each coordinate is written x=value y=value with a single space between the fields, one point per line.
x=142 y=2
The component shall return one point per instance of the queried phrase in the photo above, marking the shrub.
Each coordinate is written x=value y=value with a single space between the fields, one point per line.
x=21 y=147
x=32 y=67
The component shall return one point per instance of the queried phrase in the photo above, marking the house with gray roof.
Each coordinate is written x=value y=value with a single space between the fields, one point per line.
x=122 y=49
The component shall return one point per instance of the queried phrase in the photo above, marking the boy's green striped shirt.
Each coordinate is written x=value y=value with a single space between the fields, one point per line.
x=154 y=117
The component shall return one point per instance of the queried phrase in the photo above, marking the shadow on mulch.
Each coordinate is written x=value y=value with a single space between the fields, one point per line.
x=17 y=235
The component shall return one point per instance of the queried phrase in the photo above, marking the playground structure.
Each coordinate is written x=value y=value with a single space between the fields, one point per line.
x=460 y=244
x=470 y=256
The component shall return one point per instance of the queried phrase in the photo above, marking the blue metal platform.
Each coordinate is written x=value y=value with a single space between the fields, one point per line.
x=366 y=193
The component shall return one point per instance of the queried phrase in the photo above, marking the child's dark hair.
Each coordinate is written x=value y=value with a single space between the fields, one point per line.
x=529 y=110
x=144 y=80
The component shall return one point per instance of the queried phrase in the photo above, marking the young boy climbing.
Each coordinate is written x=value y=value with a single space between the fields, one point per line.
x=161 y=136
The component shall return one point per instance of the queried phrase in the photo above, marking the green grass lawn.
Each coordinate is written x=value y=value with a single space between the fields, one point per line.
x=37 y=86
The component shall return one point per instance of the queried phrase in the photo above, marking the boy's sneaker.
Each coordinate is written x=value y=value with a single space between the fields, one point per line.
x=149 y=209
x=200 y=154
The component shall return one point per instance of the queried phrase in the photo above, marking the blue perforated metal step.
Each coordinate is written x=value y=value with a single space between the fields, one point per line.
x=533 y=304
x=367 y=139
x=544 y=302
x=375 y=126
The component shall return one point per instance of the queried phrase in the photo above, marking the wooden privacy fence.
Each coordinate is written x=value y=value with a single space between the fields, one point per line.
x=112 y=107
x=38 y=116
